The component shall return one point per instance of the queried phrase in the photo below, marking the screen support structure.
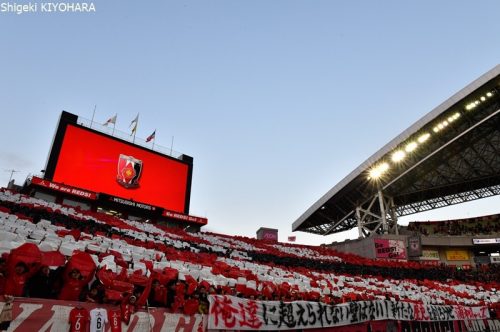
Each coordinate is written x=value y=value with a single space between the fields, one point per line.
x=376 y=218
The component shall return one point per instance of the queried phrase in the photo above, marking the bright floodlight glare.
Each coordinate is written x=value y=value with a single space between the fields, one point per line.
x=483 y=98
x=456 y=115
x=470 y=106
x=411 y=146
x=398 y=156
x=374 y=173
x=435 y=129
x=423 y=137
x=378 y=170
x=489 y=94
x=451 y=119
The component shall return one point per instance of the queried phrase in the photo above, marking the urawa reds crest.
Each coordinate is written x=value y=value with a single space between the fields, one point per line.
x=129 y=171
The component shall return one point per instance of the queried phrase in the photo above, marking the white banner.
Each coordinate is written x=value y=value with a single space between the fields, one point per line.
x=233 y=313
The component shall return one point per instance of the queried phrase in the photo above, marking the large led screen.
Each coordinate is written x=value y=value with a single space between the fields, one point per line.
x=102 y=164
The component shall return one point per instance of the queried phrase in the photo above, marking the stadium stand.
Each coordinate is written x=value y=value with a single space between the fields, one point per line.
x=174 y=269
x=484 y=225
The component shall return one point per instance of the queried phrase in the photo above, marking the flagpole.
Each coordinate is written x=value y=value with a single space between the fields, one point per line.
x=114 y=125
x=136 y=124
x=93 y=114
x=154 y=139
x=171 y=145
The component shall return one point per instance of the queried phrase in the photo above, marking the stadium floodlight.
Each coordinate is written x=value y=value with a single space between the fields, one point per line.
x=483 y=98
x=411 y=146
x=470 y=106
x=489 y=94
x=398 y=155
x=435 y=129
x=377 y=171
x=456 y=115
x=424 y=137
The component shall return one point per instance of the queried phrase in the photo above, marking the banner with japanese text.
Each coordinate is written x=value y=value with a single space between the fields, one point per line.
x=233 y=313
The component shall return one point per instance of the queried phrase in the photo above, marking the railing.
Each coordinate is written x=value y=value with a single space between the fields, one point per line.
x=111 y=131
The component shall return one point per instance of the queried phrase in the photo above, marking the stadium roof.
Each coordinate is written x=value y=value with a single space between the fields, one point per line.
x=449 y=156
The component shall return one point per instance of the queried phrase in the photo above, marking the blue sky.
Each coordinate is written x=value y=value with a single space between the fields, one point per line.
x=276 y=101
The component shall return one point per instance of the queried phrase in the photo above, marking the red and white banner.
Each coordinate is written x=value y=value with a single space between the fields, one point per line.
x=184 y=217
x=390 y=249
x=63 y=188
x=49 y=315
x=233 y=313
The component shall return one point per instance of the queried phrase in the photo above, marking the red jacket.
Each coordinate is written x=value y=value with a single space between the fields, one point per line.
x=14 y=284
x=72 y=289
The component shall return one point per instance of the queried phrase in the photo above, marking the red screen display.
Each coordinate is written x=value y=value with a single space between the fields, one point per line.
x=91 y=161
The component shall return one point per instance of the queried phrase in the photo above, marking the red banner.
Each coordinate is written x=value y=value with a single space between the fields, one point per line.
x=50 y=315
x=184 y=217
x=63 y=188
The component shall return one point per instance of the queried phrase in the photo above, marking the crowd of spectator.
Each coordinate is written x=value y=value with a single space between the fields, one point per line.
x=249 y=267
x=485 y=225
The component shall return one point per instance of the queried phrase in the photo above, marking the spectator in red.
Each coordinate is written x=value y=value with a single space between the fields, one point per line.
x=73 y=285
x=16 y=280
x=191 y=305
x=128 y=307
x=158 y=295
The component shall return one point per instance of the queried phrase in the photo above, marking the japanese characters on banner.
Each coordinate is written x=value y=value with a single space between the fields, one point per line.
x=390 y=249
x=239 y=314
x=233 y=313
x=51 y=315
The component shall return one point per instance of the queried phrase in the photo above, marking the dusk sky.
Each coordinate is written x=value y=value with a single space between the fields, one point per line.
x=277 y=101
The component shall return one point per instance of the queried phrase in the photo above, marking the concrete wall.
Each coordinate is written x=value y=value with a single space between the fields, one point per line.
x=441 y=244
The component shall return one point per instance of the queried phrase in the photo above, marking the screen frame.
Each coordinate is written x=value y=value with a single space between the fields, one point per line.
x=67 y=119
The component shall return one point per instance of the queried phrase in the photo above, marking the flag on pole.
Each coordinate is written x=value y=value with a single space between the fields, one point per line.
x=134 y=129
x=151 y=137
x=292 y=238
x=110 y=120
x=133 y=124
